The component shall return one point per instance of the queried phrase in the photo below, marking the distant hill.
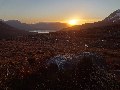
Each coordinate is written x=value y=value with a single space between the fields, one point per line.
x=36 y=26
x=112 y=19
x=7 y=31
x=17 y=24
x=49 y=26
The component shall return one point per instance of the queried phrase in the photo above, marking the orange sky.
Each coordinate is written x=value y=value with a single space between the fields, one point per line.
x=32 y=11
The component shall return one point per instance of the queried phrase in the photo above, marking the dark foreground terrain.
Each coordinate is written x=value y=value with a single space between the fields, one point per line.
x=65 y=60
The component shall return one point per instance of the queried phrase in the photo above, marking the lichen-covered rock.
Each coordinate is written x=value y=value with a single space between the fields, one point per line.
x=81 y=71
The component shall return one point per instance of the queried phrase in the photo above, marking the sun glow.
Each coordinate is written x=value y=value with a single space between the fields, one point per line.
x=73 y=22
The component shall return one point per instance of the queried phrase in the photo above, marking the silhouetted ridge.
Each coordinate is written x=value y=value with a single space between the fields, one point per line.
x=17 y=24
x=7 y=31
x=36 y=26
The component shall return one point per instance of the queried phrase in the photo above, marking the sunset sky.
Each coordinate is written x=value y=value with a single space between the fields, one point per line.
x=32 y=11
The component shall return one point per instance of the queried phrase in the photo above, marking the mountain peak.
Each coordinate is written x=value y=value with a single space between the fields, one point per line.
x=113 y=17
x=118 y=10
x=117 y=13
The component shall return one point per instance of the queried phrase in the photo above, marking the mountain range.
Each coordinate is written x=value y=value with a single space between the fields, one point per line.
x=15 y=27
x=36 y=26
x=113 y=18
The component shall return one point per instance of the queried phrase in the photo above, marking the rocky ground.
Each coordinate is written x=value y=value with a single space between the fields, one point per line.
x=60 y=61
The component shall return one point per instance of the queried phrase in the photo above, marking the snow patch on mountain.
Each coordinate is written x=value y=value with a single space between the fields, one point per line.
x=114 y=17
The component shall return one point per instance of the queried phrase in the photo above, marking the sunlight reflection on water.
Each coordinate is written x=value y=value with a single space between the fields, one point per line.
x=43 y=31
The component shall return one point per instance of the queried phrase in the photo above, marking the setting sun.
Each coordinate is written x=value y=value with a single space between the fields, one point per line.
x=73 y=22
